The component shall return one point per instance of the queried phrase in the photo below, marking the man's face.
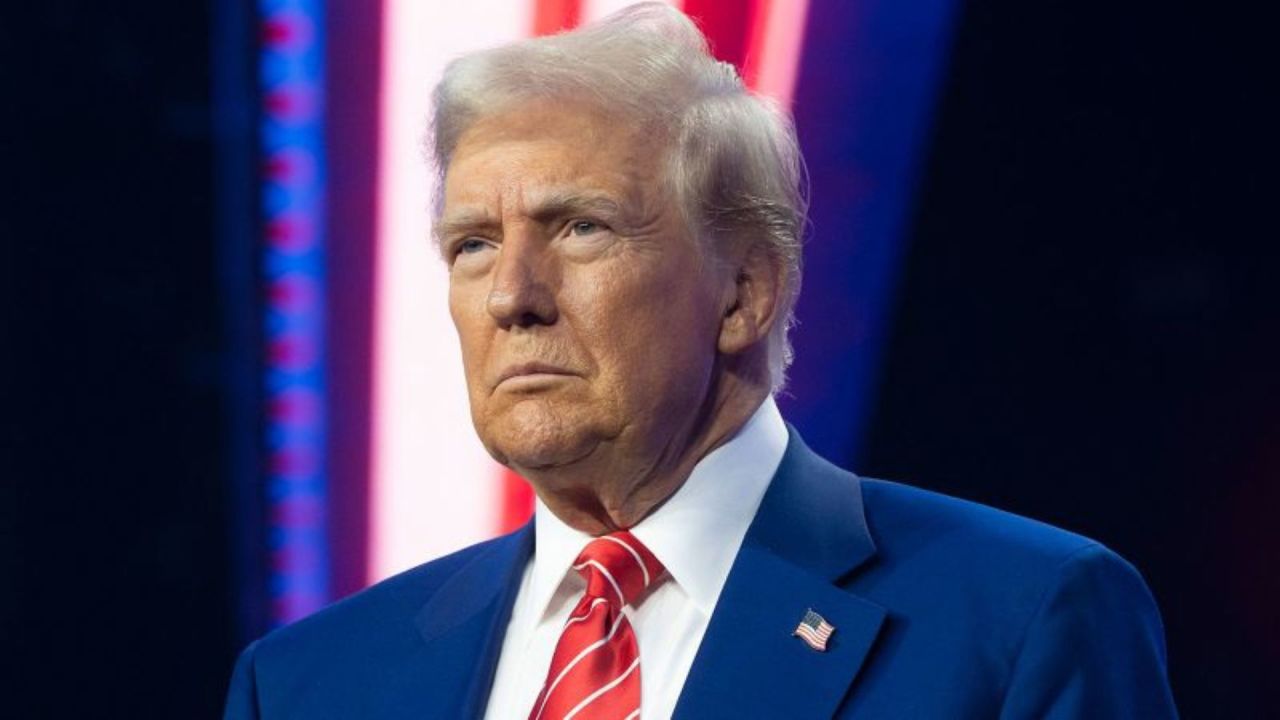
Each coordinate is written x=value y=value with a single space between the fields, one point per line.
x=587 y=313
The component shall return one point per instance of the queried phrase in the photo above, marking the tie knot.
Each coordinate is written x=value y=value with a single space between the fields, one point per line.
x=618 y=567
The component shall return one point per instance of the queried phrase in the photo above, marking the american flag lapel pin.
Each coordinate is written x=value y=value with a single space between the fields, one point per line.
x=814 y=630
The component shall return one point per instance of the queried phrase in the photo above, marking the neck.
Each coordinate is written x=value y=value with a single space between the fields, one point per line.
x=620 y=484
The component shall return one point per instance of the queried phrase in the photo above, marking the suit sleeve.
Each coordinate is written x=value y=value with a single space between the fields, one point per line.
x=1094 y=649
x=242 y=697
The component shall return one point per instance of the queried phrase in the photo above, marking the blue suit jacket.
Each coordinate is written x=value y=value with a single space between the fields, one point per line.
x=942 y=609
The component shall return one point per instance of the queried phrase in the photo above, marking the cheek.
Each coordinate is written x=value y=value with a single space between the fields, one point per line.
x=466 y=309
x=647 y=326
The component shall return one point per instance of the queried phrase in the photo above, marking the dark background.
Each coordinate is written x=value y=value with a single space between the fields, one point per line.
x=1085 y=332
x=116 y=581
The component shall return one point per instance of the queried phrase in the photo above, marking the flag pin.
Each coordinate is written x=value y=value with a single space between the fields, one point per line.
x=814 y=630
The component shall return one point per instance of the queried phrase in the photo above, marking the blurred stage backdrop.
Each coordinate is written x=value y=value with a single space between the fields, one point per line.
x=1037 y=278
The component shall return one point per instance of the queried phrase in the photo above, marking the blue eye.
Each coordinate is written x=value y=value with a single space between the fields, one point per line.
x=471 y=245
x=583 y=227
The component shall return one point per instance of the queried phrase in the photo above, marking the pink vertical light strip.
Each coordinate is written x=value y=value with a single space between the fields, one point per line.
x=432 y=487
x=773 y=54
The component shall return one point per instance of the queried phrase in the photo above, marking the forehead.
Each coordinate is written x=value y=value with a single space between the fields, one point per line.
x=513 y=158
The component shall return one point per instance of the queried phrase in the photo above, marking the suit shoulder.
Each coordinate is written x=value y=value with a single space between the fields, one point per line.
x=906 y=519
x=1017 y=617
x=988 y=557
x=957 y=567
x=388 y=606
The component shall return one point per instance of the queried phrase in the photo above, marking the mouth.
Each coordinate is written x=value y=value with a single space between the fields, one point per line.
x=531 y=373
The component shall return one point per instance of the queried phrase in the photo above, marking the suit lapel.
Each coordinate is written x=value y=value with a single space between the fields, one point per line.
x=464 y=623
x=810 y=531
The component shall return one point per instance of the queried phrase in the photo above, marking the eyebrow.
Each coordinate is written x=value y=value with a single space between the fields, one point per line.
x=559 y=204
x=462 y=222
x=550 y=207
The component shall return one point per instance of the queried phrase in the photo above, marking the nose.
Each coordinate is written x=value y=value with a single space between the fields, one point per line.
x=521 y=295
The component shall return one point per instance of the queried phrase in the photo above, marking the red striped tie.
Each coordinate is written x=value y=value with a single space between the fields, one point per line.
x=595 y=671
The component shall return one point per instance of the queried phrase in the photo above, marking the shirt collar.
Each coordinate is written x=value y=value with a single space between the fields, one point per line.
x=695 y=533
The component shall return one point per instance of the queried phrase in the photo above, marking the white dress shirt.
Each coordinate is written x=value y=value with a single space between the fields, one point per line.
x=695 y=534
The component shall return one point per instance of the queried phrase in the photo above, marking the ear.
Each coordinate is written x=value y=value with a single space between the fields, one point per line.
x=752 y=303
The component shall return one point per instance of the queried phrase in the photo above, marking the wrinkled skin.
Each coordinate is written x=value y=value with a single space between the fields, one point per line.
x=605 y=350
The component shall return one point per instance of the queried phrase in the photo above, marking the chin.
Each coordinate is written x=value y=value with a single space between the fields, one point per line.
x=534 y=434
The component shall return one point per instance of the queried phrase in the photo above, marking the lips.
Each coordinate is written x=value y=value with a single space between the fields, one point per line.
x=529 y=368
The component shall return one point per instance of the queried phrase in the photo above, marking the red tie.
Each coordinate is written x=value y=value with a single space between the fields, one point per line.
x=595 y=671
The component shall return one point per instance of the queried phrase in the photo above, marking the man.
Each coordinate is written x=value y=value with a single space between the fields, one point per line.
x=622 y=225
